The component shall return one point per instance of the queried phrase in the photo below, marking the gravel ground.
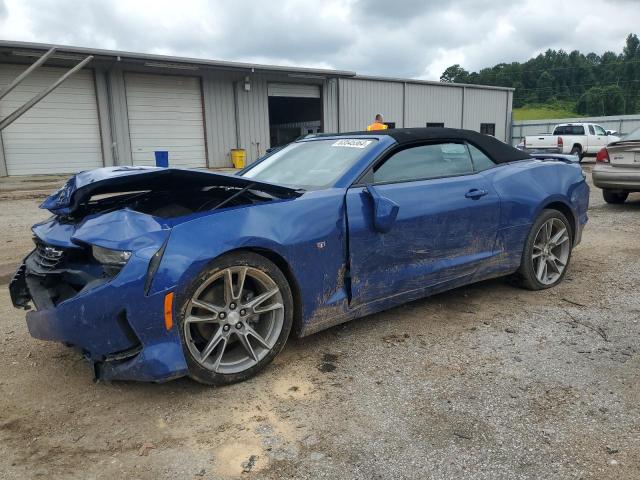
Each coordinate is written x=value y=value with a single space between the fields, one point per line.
x=484 y=382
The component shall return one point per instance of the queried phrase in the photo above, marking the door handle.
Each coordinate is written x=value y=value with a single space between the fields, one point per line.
x=475 y=193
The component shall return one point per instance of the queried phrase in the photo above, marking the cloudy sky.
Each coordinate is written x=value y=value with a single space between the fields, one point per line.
x=404 y=38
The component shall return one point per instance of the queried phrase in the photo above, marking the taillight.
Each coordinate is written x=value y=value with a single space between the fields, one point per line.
x=560 y=142
x=603 y=156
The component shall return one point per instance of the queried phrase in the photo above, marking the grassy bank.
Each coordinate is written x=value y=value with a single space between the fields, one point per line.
x=545 y=111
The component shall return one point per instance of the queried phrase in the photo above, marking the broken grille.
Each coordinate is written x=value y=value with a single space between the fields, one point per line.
x=48 y=257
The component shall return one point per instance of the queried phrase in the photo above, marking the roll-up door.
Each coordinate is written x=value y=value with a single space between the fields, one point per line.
x=61 y=134
x=165 y=114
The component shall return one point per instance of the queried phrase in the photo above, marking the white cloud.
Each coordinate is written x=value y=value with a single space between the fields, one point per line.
x=409 y=38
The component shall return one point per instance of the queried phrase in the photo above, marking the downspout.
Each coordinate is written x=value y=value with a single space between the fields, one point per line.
x=237 y=112
x=338 y=102
x=404 y=104
x=464 y=89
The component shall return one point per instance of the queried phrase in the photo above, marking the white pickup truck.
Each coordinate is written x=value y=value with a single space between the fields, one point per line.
x=581 y=139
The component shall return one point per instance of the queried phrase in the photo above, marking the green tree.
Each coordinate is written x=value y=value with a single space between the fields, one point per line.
x=568 y=77
x=613 y=100
x=544 y=86
x=455 y=73
x=590 y=102
x=631 y=72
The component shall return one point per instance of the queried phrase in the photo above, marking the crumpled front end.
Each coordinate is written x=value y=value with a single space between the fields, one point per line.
x=84 y=298
x=91 y=274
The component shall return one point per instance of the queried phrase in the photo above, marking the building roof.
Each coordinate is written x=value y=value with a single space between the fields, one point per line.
x=188 y=63
x=36 y=49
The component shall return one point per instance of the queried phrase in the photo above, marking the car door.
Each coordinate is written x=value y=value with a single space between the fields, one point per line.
x=446 y=223
x=600 y=140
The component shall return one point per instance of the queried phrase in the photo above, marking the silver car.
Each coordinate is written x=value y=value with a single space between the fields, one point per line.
x=617 y=169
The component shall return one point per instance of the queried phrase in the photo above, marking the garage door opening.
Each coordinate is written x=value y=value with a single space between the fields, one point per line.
x=294 y=111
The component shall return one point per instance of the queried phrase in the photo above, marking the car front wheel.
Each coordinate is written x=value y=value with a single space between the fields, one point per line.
x=235 y=318
x=547 y=251
x=615 y=198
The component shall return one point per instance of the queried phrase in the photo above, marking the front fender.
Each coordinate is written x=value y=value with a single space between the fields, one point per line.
x=308 y=232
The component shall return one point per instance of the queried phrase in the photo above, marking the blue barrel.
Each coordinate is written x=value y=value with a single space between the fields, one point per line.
x=162 y=159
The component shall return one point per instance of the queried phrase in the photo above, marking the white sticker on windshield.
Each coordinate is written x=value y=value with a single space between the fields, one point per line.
x=352 y=143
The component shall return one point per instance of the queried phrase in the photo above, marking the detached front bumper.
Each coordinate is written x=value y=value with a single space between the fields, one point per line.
x=118 y=328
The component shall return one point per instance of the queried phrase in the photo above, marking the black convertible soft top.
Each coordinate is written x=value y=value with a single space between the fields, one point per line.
x=498 y=151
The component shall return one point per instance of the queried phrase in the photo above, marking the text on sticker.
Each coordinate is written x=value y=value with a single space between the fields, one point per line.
x=352 y=143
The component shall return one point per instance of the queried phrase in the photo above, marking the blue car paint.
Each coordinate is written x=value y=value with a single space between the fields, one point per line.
x=91 y=321
x=342 y=267
x=439 y=235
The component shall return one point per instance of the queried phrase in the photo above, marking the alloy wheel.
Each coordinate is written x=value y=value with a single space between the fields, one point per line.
x=551 y=250
x=234 y=319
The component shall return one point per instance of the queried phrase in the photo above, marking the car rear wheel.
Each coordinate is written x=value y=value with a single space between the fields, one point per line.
x=614 y=197
x=547 y=251
x=235 y=318
x=577 y=151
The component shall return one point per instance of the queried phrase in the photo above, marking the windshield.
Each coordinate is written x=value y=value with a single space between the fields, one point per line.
x=635 y=135
x=312 y=164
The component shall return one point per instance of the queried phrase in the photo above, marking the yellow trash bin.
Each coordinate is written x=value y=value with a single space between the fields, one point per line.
x=238 y=157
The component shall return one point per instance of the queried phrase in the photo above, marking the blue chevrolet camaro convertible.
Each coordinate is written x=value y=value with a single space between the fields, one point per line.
x=158 y=273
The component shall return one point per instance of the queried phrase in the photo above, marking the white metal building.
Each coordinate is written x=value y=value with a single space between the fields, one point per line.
x=125 y=106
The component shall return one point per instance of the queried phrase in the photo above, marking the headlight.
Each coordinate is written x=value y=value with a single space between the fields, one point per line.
x=107 y=256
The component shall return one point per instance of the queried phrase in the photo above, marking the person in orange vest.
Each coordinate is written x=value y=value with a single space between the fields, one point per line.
x=377 y=124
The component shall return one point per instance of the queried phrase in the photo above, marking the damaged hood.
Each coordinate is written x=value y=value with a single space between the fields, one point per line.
x=82 y=186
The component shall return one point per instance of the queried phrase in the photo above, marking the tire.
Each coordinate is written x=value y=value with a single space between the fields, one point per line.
x=207 y=316
x=528 y=274
x=576 y=150
x=615 y=198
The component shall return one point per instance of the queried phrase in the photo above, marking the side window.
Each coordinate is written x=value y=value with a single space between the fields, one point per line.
x=480 y=160
x=424 y=162
x=599 y=130
x=591 y=130
x=488 y=128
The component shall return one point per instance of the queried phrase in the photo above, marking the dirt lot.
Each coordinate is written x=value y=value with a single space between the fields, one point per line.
x=485 y=382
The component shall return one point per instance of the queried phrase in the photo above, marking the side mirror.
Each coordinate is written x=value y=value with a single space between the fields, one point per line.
x=385 y=210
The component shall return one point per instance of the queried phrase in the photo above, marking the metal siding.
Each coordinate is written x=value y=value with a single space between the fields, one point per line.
x=485 y=106
x=165 y=113
x=119 y=121
x=298 y=90
x=61 y=134
x=361 y=100
x=221 y=120
x=330 y=106
x=253 y=118
x=3 y=164
x=430 y=103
